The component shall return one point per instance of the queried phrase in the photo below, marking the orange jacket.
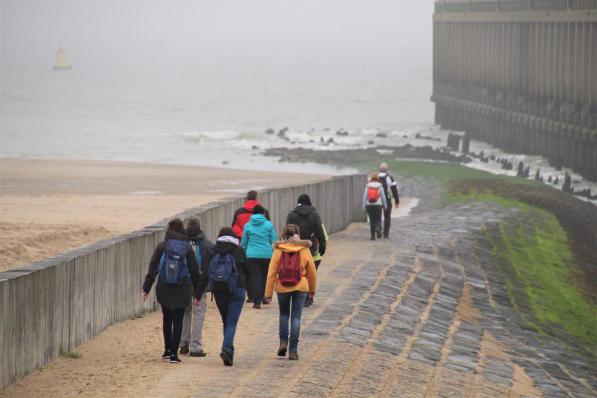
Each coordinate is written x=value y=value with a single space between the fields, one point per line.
x=308 y=282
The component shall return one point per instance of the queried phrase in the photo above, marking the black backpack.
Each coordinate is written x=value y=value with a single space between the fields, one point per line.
x=306 y=231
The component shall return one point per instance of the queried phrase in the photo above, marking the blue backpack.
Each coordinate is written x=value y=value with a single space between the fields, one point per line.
x=222 y=274
x=173 y=268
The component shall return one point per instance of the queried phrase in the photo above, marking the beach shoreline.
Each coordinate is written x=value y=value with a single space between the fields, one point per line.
x=49 y=206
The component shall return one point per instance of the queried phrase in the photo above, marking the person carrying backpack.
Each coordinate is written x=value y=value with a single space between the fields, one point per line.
x=293 y=275
x=224 y=274
x=194 y=315
x=389 y=185
x=374 y=201
x=258 y=236
x=306 y=217
x=173 y=263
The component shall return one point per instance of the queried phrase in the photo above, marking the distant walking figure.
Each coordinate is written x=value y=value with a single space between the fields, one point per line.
x=194 y=315
x=389 y=184
x=258 y=236
x=242 y=216
x=173 y=262
x=225 y=275
x=374 y=201
x=306 y=217
x=293 y=276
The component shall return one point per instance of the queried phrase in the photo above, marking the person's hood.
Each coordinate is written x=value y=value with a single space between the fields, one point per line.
x=176 y=236
x=374 y=184
x=257 y=220
x=303 y=210
x=195 y=234
x=226 y=245
x=250 y=205
x=292 y=245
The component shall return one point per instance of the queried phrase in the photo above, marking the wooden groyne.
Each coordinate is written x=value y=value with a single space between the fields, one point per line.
x=54 y=305
x=520 y=74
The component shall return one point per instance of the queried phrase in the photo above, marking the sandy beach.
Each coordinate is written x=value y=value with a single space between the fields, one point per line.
x=50 y=206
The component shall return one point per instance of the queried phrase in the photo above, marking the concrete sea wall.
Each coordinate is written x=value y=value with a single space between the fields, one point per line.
x=520 y=74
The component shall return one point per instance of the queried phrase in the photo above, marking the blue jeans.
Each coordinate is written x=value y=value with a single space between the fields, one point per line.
x=230 y=305
x=296 y=300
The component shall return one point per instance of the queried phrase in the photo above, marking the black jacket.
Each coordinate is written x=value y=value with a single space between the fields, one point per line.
x=239 y=257
x=172 y=296
x=307 y=216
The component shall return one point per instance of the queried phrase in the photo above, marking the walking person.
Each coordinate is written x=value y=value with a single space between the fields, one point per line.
x=317 y=260
x=293 y=276
x=225 y=276
x=241 y=217
x=192 y=326
x=258 y=236
x=305 y=216
x=173 y=262
x=243 y=214
x=374 y=202
x=389 y=184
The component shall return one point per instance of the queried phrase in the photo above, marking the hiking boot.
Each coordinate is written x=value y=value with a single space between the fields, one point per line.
x=175 y=359
x=166 y=355
x=226 y=358
x=199 y=353
x=257 y=306
x=373 y=237
x=282 y=350
x=249 y=300
x=293 y=356
x=184 y=350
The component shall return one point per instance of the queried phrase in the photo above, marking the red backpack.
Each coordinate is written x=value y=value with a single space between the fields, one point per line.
x=289 y=271
x=373 y=194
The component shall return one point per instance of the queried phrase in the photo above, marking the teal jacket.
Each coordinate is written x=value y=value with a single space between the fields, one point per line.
x=258 y=236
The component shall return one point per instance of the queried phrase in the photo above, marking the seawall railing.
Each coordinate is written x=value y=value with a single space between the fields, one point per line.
x=54 y=305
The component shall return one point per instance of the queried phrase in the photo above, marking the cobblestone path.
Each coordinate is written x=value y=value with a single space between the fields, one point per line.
x=417 y=315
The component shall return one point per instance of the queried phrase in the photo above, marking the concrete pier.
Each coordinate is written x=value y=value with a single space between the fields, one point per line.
x=520 y=74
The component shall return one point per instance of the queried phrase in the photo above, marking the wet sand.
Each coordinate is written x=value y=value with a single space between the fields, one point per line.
x=50 y=206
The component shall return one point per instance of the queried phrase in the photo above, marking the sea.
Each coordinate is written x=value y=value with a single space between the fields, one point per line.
x=203 y=82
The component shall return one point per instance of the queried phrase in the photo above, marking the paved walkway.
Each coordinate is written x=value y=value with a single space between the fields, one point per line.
x=418 y=315
x=413 y=316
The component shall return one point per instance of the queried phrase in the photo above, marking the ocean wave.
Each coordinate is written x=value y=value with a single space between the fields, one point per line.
x=210 y=136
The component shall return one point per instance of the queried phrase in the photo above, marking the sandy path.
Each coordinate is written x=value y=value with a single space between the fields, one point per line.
x=51 y=206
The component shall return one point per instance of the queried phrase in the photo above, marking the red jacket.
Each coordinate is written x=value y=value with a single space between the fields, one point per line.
x=242 y=216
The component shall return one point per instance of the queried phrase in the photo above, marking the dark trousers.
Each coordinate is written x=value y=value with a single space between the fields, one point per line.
x=316 y=265
x=172 y=327
x=230 y=306
x=258 y=268
x=374 y=212
x=387 y=220
x=291 y=308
